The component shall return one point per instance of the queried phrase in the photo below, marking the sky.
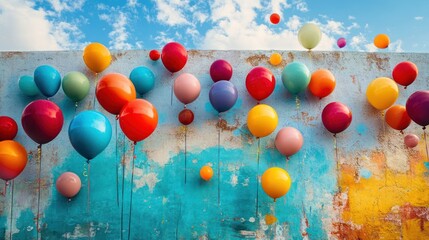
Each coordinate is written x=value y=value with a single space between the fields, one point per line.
x=45 y=25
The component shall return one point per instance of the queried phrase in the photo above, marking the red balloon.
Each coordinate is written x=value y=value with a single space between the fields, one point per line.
x=154 y=55
x=138 y=119
x=113 y=91
x=275 y=18
x=8 y=128
x=220 y=70
x=186 y=117
x=260 y=83
x=174 y=56
x=336 y=117
x=405 y=73
x=42 y=120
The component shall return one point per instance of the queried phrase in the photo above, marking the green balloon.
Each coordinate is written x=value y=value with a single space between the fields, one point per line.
x=309 y=36
x=28 y=86
x=75 y=86
x=296 y=77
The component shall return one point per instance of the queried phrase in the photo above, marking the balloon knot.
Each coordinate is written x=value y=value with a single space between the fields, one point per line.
x=275 y=199
x=335 y=135
x=405 y=87
x=117 y=117
x=424 y=127
x=184 y=106
x=7 y=183
x=287 y=158
x=69 y=200
x=135 y=143
x=402 y=132
x=87 y=161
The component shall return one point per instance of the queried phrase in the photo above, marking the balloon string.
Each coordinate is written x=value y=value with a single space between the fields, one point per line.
x=218 y=162
x=11 y=211
x=5 y=188
x=337 y=161
x=426 y=145
x=117 y=165
x=186 y=133
x=171 y=95
x=131 y=193
x=39 y=158
x=122 y=203
x=88 y=203
x=96 y=82
x=257 y=177
x=75 y=108
x=298 y=106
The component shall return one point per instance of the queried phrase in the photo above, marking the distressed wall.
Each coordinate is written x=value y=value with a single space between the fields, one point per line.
x=380 y=190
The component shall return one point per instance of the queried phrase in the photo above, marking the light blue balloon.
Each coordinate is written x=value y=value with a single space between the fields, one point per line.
x=143 y=79
x=296 y=77
x=28 y=86
x=90 y=133
x=47 y=79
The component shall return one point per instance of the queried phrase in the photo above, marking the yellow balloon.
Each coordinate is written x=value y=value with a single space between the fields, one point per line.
x=262 y=120
x=309 y=36
x=382 y=93
x=275 y=59
x=276 y=182
x=381 y=41
x=97 y=57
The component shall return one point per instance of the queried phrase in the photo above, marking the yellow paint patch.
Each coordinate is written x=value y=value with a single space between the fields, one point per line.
x=270 y=219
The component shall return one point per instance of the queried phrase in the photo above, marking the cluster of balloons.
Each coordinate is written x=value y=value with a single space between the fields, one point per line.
x=186 y=88
x=223 y=94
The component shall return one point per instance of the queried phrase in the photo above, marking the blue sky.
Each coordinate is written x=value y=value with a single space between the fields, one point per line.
x=214 y=24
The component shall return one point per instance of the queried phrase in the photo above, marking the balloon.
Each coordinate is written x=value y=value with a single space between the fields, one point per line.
x=206 y=173
x=260 y=83
x=275 y=59
x=411 y=140
x=309 y=36
x=296 y=77
x=322 y=83
x=382 y=93
x=90 y=133
x=75 y=86
x=154 y=55
x=8 y=128
x=288 y=141
x=276 y=182
x=138 y=119
x=381 y=41
x=336 y=117
x=397 y=117
x=42 y=120
x=223 y=95
x=405 y=73
x=275 y=18
x=13 y=159
x=47 y=79
x=262 y=120
x=68 y=184
x=97 y=57
x=143 y=79
x=220 y=70
x=186 y=117
x=417 y=107
x=186 y=88
x=113 y=91
x=341 y=42
x=174 y=56
x=28 y=86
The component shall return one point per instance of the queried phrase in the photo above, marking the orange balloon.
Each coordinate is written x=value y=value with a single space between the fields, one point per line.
x=206 y=173
x=397 y=117
x=97 y=57
x=381 y=41
x=322 y=83
x=13 y=159
x=113 y=91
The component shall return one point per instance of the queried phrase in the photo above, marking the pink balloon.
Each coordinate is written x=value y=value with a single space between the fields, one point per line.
x=289 y=141
x=411 y=140
x=186 y=88
x=68 y=184
x=341 y=42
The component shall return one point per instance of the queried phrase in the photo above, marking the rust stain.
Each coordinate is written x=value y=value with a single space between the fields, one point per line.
x=306 y=118
x=11 y=54
x=336 y=55
x=381 y=63
x=409 y=212
x=255 y=60
x=291 y=57
x=204 y=54
x=223 y=124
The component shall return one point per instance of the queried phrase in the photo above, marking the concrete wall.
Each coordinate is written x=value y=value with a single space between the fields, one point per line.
x=381 y=190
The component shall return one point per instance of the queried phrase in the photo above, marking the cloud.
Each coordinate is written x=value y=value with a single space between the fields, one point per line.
x=66 y=5
x=200 y=17
x=132 y=3
x=171 y=12
x=418 y=18
x=301 y=5
x=63 y=31
x=351 y=17
x=334 y=27
x=396 y=46
x=162 y=39
x=293 y=23
x=277 y=6
x=119 y=35
x=353 y=26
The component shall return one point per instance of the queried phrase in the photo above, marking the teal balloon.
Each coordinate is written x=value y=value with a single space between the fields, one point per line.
x=143 y=79
x=28 y=86
x=47 y=79
x=90 y=133
x=75 y=86
x=296 y=77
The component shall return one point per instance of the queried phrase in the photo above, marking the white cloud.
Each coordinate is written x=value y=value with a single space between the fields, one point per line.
x=396 y=46
x=353 y=26
x=200 y=17
x=277 y=6
x=63 y=31
x=66 y=5
x=119 y=35
x=132 y=3
x=357 y=42
x=301 y=5
x=418 y=18
x=351 y=17
x=171 y=12
x=293 y=23
x=163 y=39
x=334 y=27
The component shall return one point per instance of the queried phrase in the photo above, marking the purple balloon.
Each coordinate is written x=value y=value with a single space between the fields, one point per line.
x=341 y=42
x=418 y=107
x=223 y=95
x=220 y=70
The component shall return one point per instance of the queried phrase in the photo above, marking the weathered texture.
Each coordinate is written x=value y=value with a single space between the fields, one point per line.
x=380 y=189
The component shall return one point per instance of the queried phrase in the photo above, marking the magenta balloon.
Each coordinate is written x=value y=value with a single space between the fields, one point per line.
x=341 y=42
x=288 y=141
x=220 y=70
x=411 y=140
x=186 y=88
x=336 y=117
x=418 y=107
x=68 y=184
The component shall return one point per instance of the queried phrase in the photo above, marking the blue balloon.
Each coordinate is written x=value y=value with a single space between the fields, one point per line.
x=223 y=95
x=143 y=79
x=47 y=79
x=90 y=133
x=296 y=77
x=28 y=86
